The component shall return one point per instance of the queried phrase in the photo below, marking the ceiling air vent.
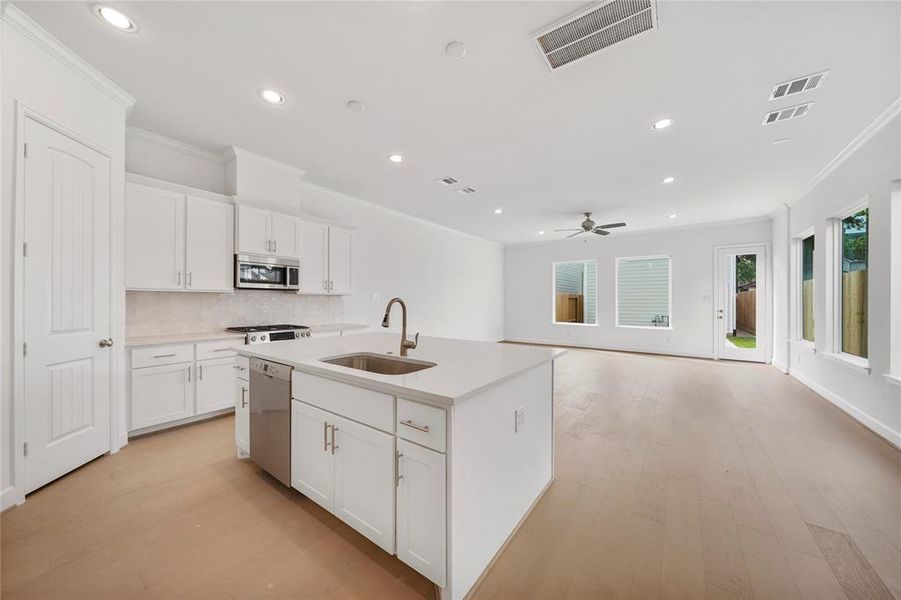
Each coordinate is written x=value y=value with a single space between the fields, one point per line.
x=792 y=112
x=599 y=27
x=448 y=181
x=466 y=191
x=796 y=86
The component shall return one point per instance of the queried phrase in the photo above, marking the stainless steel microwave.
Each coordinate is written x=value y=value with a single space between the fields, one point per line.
x=253 y=271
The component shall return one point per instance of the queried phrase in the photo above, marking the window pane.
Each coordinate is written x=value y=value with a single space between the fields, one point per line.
x=643 y=292
x=807 y=247
x=576 y=292
x=855 y=251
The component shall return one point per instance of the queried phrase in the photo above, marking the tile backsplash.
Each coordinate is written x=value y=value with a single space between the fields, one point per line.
x=150 y=313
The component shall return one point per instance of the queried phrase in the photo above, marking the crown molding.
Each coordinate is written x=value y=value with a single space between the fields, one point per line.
x=162 y=141
x=44 y=40
x=233 y=153
x=886 y=117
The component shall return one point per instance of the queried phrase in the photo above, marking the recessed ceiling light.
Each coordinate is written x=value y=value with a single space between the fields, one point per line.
x=113 y=17
x=455 y=50
x=662 y=123
x=272 y=97
x=541 y=232
x=396 y=158
x=498 y=211
x=673 y=215
x=781 y=141
x=669 y=179
x=355 y=105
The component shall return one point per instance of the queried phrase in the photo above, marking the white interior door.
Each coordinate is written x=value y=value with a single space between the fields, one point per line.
x=66 y=278
x=209 y=246
x=741 y=316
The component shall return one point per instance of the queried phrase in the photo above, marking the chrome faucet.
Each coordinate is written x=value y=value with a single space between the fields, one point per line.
x=405 y=344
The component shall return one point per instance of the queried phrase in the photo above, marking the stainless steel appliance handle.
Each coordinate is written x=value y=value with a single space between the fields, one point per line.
x=334 y=446
x=412 y=425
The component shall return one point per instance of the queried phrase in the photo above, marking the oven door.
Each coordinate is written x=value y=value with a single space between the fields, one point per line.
x=262 y=272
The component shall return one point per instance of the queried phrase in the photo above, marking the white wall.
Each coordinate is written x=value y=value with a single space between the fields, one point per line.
x=452 y=282
x=157 y=156
x=868 y=172
x=36 y=77
x=529 y=297
x=781 y=261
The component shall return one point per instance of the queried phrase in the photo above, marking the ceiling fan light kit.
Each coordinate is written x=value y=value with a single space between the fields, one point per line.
x=589 y=226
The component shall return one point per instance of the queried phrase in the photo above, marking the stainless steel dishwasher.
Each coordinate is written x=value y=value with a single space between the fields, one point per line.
x=270 y=418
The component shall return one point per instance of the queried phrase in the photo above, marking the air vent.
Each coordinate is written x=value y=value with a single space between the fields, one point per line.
x=466 y=191
x=792 y=112
x=796 y=86
x=599 y=27
x=448 y=181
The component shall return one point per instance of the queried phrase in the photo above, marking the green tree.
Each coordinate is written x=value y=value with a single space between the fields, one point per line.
x=745 y=269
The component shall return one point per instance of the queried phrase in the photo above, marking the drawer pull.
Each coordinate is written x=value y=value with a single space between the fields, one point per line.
x=163 y=355
x=412 y=425
x=223 y=350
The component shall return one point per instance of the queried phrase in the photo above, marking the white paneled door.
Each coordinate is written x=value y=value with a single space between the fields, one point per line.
x=66 y=277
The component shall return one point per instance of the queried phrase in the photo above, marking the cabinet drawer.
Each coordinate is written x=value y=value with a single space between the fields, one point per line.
x=242 y=367
x=161 y=355
x=421 y=423
x=217 y=349
x=366 y=406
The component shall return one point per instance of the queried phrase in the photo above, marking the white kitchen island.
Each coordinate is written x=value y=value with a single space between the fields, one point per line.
x=438 y=466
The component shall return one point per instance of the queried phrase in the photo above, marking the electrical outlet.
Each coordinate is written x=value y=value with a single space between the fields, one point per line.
x=520 y=417
x=375 y=296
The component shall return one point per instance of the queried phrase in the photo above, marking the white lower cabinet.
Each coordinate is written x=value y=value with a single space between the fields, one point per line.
x=242 y=416
x=215 y=384
x=312 y=461
x=364 y=480
x=421 y=510
x=161 y=394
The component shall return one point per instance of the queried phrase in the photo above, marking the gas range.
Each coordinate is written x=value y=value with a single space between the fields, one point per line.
x=260 y=334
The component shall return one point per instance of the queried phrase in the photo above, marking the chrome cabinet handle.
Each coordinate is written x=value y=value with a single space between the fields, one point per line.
x=243 y=396
x=163 y=355
x=189 y=372
x=397 y=457
x=200 y=372
x=275 y=245
x=334 y=447
x=190 y=278
x=331 y=285
x=325 y=285
x=412 y=425
x=222 y=350
x=325 y=427
x=178 y=277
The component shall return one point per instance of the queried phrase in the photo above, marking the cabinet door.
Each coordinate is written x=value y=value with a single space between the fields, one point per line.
x=154 y=239
x=210 y=245
x=254 y=226
x=421 y=522
x=364 y=481
x=242 y=416
x=312 y=461
x=161 y=394
x=215 y=384
x=339 y=260
x=313 y=258
x=285 y=235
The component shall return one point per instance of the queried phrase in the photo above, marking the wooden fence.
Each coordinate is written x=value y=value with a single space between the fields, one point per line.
x=807 y=320
x=746 y=311
x=570 y=308
x=854 y=313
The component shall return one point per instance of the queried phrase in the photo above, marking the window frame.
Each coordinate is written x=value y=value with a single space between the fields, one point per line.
x=834 y=310
x=583 y=261
x=797 y=316
x=617 y=262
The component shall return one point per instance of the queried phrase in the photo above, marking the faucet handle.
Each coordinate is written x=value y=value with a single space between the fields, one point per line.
x=411 y=344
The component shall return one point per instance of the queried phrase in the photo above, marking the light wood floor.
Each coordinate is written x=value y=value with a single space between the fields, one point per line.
x=674 y=478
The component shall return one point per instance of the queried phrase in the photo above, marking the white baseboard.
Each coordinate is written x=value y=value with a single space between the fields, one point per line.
x=781 y=366
x=8 y=498
x=613 y=348
x=879 y=428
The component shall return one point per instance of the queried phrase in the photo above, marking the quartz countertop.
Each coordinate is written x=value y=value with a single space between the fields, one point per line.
x=464 y=368
x=133 y=341
x=332 y=327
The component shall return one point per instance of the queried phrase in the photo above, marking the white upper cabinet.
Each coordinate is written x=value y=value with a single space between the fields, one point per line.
x=154 y=239
x=210 y=247
x=269 y=233
x=325 y=259
x=177 y=242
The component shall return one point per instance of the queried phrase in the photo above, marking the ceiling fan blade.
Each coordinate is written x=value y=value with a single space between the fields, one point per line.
x=568 y=229
x=575 y=234
x=610 y=226
x=600 y=231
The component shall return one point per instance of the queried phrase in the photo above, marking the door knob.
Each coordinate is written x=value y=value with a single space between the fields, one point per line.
x=106 y=343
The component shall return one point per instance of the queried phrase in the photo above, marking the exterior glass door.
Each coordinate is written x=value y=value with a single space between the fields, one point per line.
x=741 y=303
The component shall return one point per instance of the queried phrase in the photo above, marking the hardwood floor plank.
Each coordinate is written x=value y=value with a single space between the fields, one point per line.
x=852 y=570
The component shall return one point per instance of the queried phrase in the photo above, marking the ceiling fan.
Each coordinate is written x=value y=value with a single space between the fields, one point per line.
x=588 y=226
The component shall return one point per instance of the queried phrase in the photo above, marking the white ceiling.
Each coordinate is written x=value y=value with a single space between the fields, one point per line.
x=544 y=146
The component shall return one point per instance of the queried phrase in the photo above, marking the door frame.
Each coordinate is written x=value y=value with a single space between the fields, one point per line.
x=117 y=356
x=765 y=306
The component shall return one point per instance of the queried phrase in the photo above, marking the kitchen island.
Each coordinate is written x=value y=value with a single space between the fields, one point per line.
x=437 y=466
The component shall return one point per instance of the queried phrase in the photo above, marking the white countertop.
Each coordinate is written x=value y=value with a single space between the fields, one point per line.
x=332 y=327
x=181 y=338
x=465 y=368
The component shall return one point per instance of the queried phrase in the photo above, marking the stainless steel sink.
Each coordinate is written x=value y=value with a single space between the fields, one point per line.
x=379 y=363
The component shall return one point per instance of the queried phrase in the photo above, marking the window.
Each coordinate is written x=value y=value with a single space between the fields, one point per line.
x=576 y=292
x=851 y=313
x=643 y=292
x=807 y=318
